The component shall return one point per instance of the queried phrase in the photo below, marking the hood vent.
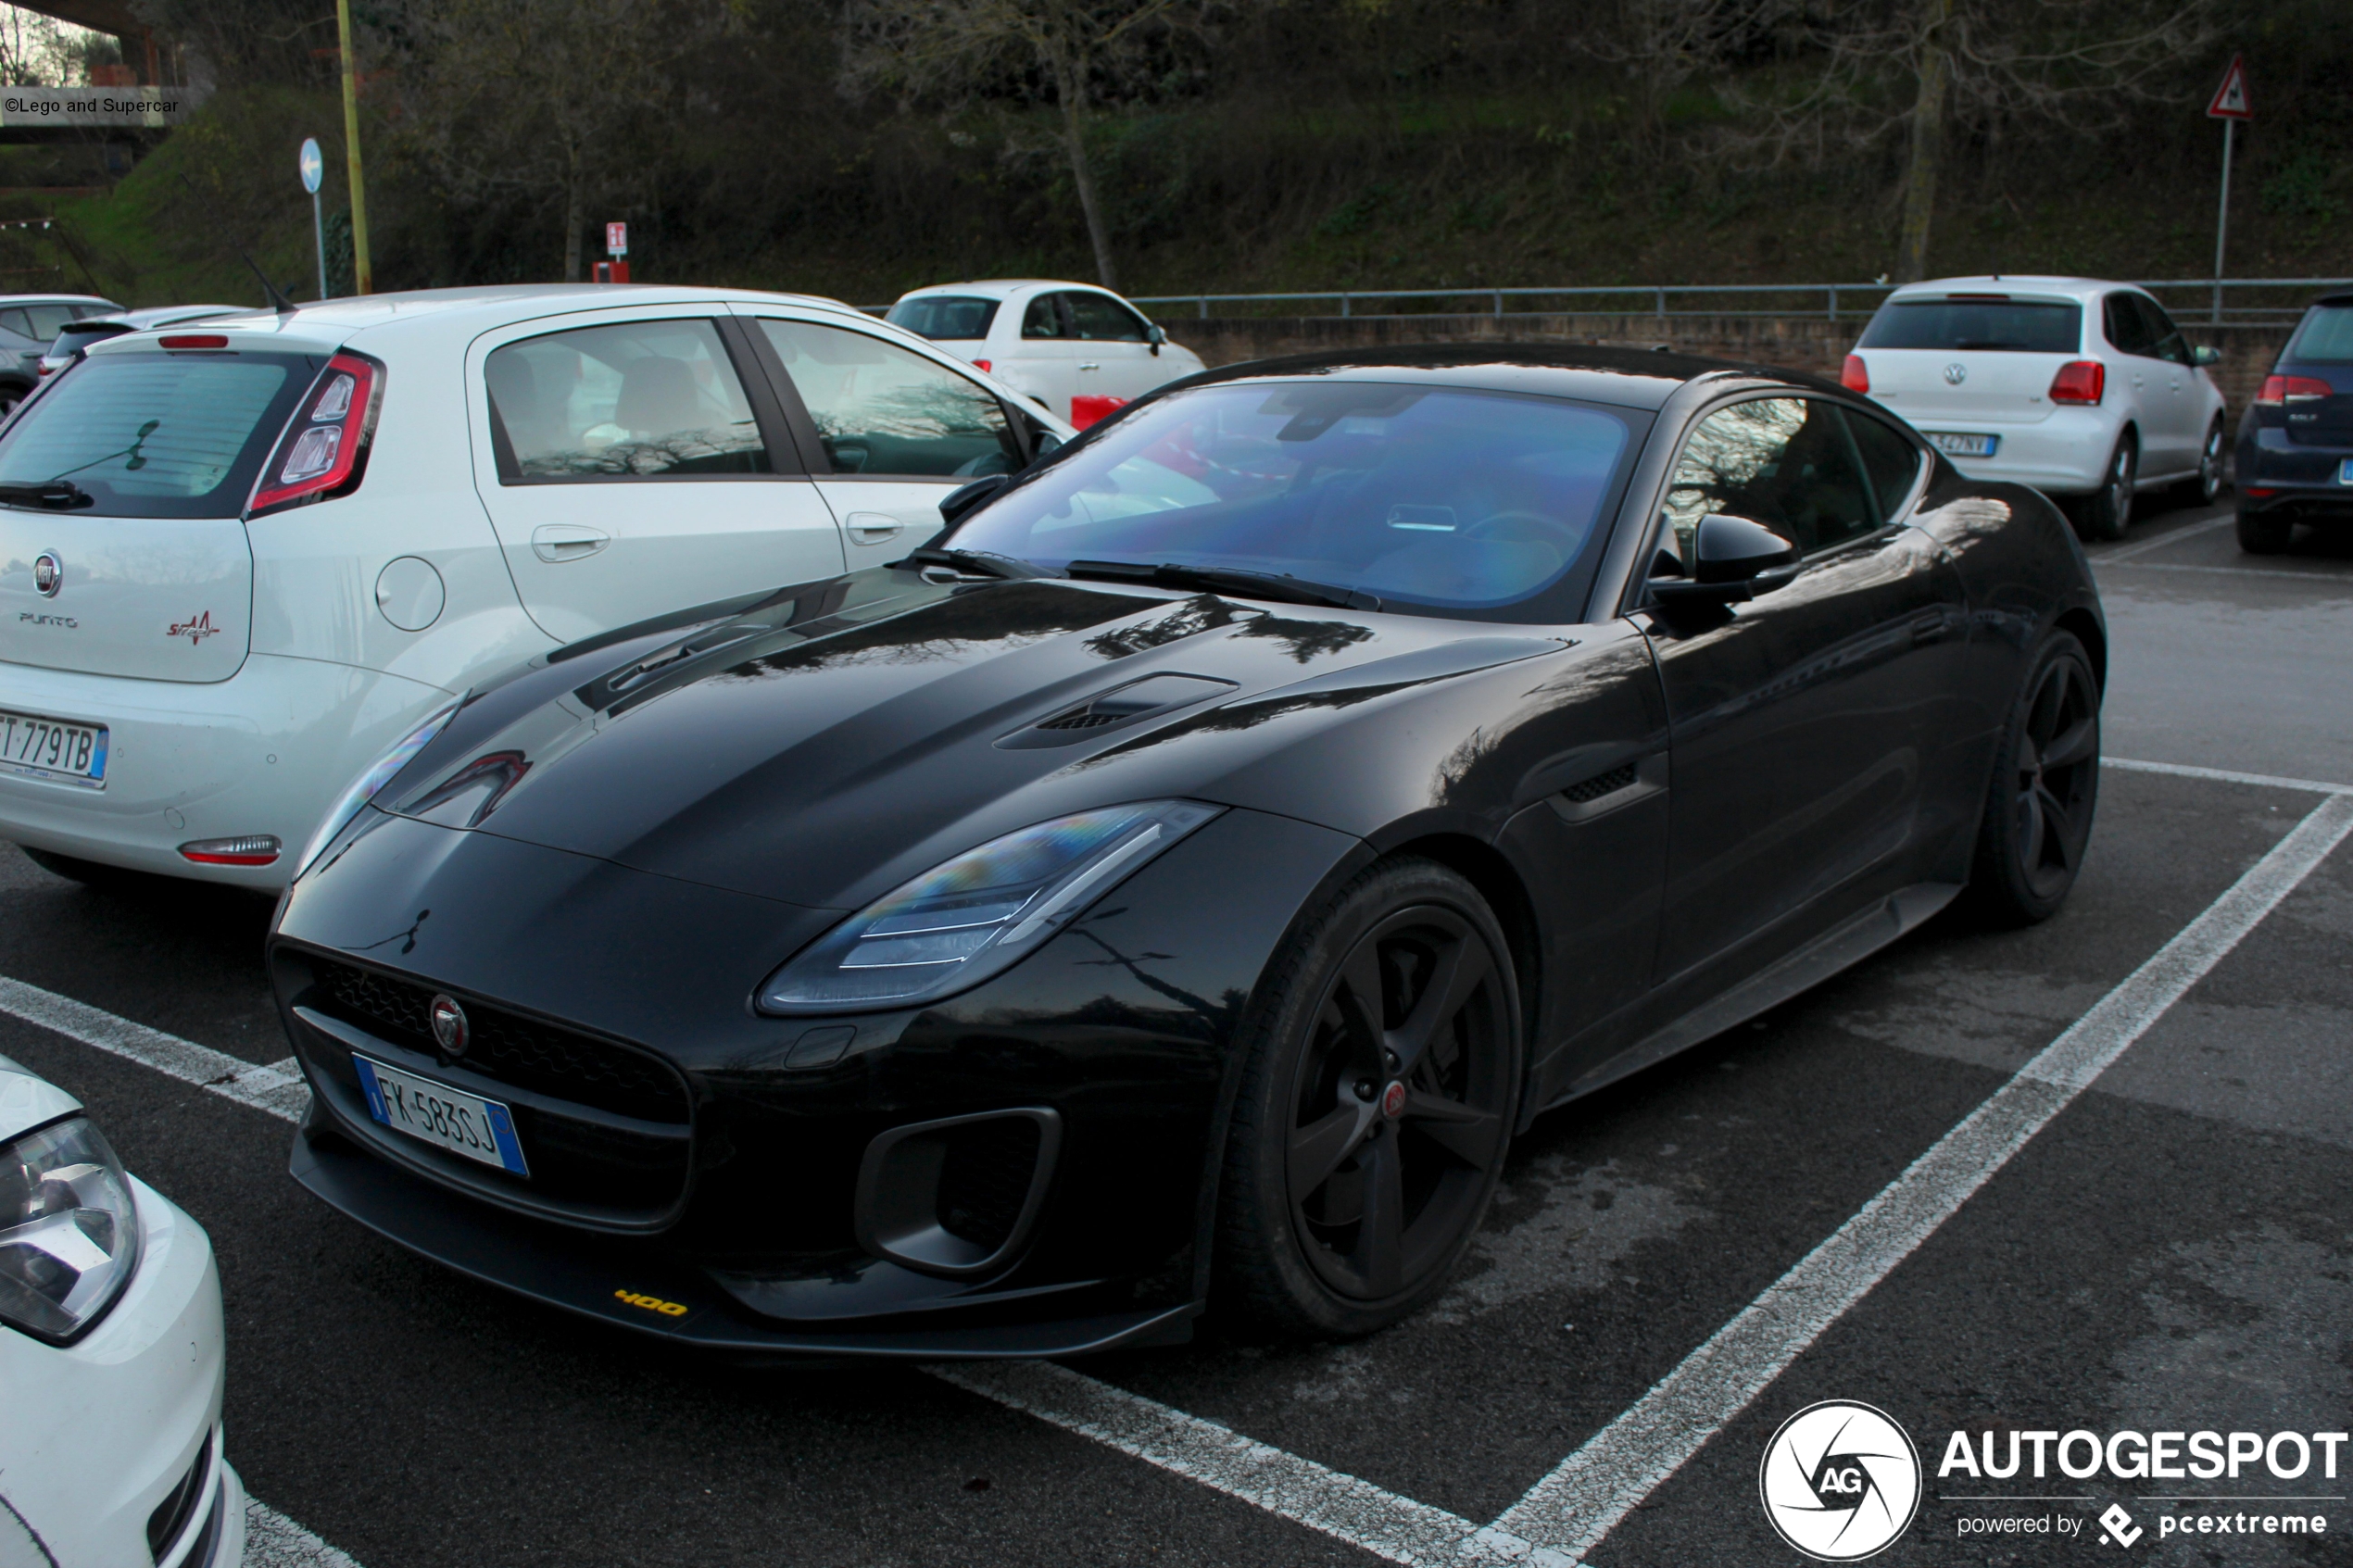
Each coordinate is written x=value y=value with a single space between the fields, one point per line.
x=1120 y=705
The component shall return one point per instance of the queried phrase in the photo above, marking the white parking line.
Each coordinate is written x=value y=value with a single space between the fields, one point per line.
x=2224 y=775
x=272 y=1540
x=2330 y=579
x=1586 y=1496
x=278 y=1089
x=2178 y=534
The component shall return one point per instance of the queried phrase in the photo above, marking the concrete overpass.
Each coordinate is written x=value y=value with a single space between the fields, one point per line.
x=149 y=56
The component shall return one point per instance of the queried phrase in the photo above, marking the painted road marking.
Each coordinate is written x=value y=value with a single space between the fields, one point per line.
x=2332 y=579
x=278 y=1089
x=2224 y=775
x=2175 y=536
x=272 y=1540
x=1572 y=1509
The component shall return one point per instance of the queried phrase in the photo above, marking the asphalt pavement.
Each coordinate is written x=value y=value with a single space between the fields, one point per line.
x=1809 y=1208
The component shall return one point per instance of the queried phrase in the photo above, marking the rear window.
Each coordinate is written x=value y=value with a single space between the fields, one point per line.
x=949 y=315
x=2019 y=326
x=158 y=434
x=2326 y=338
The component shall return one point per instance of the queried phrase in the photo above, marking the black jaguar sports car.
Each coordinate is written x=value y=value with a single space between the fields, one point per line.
x=1174 y=885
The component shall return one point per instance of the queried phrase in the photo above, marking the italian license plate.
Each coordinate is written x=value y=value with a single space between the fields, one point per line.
x=451 y=1118
x=53 y=748
x=1955 y=443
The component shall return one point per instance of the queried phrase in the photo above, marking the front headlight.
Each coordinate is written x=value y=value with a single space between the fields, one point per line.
x=378 y=773
x=68 y=1230
x=958 y=924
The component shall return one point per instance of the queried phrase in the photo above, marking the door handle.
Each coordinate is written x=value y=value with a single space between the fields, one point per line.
x=1932 y=627
x=556 y=541
x=1090 y=364
x=872 y=528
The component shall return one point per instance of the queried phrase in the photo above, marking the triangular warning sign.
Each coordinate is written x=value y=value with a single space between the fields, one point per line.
x=2230 y=99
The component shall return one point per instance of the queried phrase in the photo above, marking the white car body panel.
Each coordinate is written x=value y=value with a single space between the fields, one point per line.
x=101 y=1430
x=307 y=676
x=2062 y=449
x=1052 y=370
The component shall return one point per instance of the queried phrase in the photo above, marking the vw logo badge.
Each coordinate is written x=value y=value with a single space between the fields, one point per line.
x=449 y=1030
x=49 y=573
x=1956 y=373
x=1840 y=1481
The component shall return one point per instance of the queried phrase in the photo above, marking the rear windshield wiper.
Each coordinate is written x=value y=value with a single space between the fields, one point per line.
x=982 y=563
x=1280 y=588
x=57 y=495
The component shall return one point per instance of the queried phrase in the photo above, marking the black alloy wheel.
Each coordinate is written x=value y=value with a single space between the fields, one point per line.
x=2264 y=533
x=2106 y=512
x=1376 y=1110
x=2038 y=812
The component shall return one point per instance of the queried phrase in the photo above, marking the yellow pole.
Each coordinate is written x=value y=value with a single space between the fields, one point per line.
x=362 y=275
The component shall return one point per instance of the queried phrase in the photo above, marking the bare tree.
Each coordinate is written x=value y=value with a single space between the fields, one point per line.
x=546 y=99
x=1918 y=68
x=951 y=48
x=1661 y=44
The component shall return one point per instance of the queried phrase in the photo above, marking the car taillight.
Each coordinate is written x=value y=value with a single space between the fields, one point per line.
x=2278 y=390
x=1856 y=376
x=2079 y=380
x=197 y=340
x=251 y=850
x=985 y=366
x=325 y=449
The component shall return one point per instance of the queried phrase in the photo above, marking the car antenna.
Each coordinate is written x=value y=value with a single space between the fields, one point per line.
x=272 y=291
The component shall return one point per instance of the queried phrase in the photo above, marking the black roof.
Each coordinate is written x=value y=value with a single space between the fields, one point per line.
x=1641 y=378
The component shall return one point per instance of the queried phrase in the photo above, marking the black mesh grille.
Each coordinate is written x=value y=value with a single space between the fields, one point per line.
x=1084 y=719
x=1600 y=784
x=517 y=1050
x=985 y=1179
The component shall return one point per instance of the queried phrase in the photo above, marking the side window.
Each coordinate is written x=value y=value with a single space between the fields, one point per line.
x=1786 y=462
x=1891 y=461
x=14 y=320
x=1043 y=319
x=47 y=319
x=634 y=400
x=1102 y=319
x=2126 y=327
x=881 y=410
x=2165 y=339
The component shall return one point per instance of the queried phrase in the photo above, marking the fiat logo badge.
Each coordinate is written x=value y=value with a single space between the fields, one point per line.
x=49 y=573
x=449 y=1029
x=1392 y=1099
x=1956 y=373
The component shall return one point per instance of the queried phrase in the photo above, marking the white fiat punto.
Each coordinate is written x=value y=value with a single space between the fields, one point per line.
x=111 y=1368
x=1079 y=351
x=240 y=559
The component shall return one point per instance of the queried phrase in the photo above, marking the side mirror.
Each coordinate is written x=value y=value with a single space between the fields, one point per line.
x=971 y=497
x=2205 y=355
x=1734 y=559
x=1156 y=335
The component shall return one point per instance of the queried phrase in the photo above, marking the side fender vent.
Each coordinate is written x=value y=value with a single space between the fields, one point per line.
x=1601 y=784
x=1130 y=704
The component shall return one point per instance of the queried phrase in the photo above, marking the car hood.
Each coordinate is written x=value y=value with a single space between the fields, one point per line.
x=839 y=737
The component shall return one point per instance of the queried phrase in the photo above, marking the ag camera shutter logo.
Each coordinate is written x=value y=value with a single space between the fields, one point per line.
x=1840 y=1481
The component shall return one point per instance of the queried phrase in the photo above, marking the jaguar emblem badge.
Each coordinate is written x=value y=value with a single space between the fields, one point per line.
x=450 y=1031
x=48 y=574
x=1956 y=373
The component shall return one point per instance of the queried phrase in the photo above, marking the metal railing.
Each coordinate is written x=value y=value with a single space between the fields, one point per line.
x=1654 y=299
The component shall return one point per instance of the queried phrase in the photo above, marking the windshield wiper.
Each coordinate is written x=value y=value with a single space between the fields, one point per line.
x=57 y=496
x=982 y=563
x=1280 y=588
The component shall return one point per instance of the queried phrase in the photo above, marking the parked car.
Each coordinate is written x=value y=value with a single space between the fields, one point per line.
x=1076 y=350
x=2295 y=440
x=1180 y=882
x=28 y=322
x=2084 y=389
x=240 y=557
x=75 y=337
x=110 y=1351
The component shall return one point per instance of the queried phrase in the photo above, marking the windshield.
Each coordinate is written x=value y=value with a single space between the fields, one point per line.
x=949 y=315
x=158 y=434
x=1448 y=501
x=2326 y=338
x=2019 y=326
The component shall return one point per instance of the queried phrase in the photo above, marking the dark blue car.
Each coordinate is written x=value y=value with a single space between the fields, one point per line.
x=2296 y=441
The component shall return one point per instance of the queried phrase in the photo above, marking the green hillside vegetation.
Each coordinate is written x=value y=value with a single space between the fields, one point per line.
x=1356 y=144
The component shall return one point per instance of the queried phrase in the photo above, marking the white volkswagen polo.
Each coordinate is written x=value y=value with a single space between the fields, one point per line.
x=240 y=559
x=2086 y=390
x=1079 y=351
x=110 y=1356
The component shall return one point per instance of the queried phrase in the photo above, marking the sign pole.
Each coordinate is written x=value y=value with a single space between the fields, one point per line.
x=363 y=278
x=2223 y=219
x=314 y=169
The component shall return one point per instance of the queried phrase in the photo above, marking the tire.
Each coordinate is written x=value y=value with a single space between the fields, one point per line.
x=2106 y=512
x=2039 y=802
x=2264 y=533
x=2202 y=487
x=1325 y=1129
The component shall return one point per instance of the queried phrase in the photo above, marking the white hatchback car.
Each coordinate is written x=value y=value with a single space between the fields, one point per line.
x=1077 y=350
x=110 y=1356
x=241 y=559
x=2083 y=389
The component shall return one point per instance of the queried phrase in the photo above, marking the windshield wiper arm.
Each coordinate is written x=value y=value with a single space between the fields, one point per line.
x=985 y=563
x=1279 y=587
x=56 y=494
